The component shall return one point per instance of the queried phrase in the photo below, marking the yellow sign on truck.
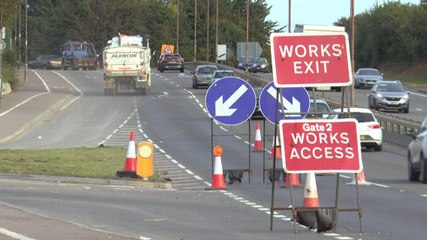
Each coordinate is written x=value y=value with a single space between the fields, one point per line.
x=167 y=49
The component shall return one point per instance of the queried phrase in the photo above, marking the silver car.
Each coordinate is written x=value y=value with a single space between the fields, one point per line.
x=367 y=77
x=389 y=95
x=202 y=75
x=417 y=154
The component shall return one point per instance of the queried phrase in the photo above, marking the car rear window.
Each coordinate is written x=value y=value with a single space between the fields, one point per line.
x=207 y=70
x=223 y=74
x=172 y=58
x=359 y=116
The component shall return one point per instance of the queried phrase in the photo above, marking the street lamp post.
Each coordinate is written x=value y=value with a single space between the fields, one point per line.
x=195 y=31
x=207 y=32
x=177 y=28
x=26 y=39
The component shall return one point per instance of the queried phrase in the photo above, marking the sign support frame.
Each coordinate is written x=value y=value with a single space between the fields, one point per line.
x=294 y=209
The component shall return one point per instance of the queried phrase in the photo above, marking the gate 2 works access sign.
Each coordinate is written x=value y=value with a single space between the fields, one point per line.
x=320 y=146
x=310 y=60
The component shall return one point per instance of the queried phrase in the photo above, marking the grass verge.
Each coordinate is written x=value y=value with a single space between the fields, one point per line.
x=76 y=162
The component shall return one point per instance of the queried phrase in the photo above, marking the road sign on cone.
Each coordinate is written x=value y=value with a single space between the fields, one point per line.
x=311 y=199
x=258 y=141
x=218 y=181
x=129 y=169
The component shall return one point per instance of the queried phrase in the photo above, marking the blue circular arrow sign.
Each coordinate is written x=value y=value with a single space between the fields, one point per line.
x=295 y=100
x=230 y=101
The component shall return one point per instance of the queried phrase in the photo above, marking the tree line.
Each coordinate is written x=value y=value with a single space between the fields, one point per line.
x=388 y=34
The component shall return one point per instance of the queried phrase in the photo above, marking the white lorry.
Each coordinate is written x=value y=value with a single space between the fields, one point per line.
x=127 y=65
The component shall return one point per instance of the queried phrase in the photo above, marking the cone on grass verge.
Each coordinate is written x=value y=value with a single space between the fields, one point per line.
x=311 y=198
x=218 y=181
x=129 y=169
x=258 y=147
x=360 y=178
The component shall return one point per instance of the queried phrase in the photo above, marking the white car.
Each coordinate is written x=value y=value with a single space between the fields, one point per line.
x=417 y=154
x=371 y=134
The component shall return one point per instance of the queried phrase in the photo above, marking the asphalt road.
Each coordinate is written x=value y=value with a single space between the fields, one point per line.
x=174 y=118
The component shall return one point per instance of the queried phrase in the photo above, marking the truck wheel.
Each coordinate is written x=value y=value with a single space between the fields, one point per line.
x=423 y=169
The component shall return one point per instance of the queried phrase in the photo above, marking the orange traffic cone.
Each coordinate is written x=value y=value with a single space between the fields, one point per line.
x=258 y=141
x=311 y=198
x=360 y=178
x=218 y=181
x=130 y=165
x=292 y=179
x=276 y=148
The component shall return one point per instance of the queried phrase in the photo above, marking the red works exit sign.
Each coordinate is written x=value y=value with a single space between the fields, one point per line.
x=310 y=60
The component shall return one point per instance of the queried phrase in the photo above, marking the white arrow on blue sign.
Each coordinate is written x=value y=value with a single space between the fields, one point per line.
x=230 y=101
x=295 y=100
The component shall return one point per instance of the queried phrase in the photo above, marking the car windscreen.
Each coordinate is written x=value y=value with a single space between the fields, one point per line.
x=320 y=107
x=390 y=88
x=359 y=116
x=369 y=72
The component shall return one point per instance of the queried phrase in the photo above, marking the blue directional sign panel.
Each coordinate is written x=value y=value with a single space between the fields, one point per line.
x=230 y=101
x=293 y=100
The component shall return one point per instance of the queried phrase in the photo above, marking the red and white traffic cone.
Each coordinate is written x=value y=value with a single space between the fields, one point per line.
x=129 y=169
x=292 y=179
x=360 y=178
x=218 y=181
x=311 y=198
x=258 y=141
x=276 y=148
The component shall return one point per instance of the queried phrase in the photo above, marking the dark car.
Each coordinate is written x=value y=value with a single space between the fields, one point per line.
x=202 y=74
x=257 y=115
x=254 y=65
x=42 y=61
x=389 y=95
x=172 y=61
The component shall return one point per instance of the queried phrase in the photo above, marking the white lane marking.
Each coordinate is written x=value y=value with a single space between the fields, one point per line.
x=41 y=79
x=22 y=103
x=424 y=195
x=418 y=94
x=74 y=86
x=14 y=235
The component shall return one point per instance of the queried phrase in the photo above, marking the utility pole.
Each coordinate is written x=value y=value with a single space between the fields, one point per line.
x=352 y=94
x=26 y=39
x=207 y=32
x=177 y=28
x=216 y=33
x=195 y=31
x=247 y=36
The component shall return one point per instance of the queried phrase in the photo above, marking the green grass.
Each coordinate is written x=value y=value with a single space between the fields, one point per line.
x=77 y=162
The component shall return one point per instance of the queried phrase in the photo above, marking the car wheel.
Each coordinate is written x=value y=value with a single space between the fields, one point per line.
x=412 y=175
x=423 y=169
x=182 y=70
x=378 y=148
x=406 y=110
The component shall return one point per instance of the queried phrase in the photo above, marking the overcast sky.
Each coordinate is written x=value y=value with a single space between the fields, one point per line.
x=320 y=12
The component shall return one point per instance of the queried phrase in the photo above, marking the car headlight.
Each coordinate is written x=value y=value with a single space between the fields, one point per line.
x=378 y=95
x=263 y=66
x=404 y=98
